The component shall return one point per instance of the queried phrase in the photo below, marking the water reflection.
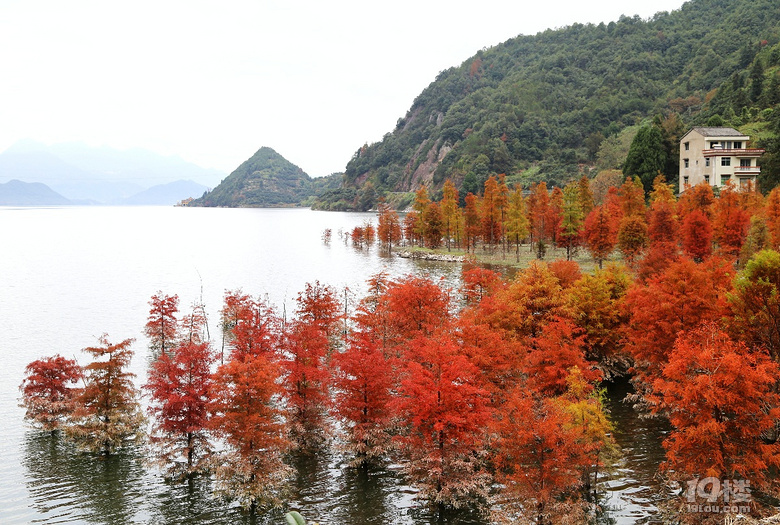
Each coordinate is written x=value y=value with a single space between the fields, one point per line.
x=66 y=485
x=634 y=489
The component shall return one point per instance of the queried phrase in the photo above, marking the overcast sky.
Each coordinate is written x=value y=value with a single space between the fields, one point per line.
x=213 y=81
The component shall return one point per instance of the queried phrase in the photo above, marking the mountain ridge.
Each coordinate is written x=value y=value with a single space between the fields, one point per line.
x=538 y=108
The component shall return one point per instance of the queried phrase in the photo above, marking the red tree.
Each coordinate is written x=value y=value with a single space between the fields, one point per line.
x=471 y=222
x=48 y=391
x=388 y=227
x=306 y=383
x=600 y=233
x=416 y=305
x=444 y=411
x=162 y=326
x=551 y=355
x=319 y=307
x=730 y=222
x=245 y=413
x=180 y=388
x=720 y=398
x=478 y=282
x=539 y=458
x=362 y=400
x=682 y=297
x=697 y=235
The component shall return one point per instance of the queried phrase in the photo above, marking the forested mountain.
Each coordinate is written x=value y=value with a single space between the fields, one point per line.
x=265 y=179
x=542 y=107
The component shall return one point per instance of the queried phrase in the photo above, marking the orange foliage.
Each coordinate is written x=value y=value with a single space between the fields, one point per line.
x=720 y=399
x=680 y=298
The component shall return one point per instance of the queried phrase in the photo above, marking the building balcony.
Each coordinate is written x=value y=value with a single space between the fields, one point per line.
x=747 y=170
x=744 y=152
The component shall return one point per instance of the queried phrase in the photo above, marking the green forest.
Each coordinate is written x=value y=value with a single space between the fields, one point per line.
x=568 y=102
x=266 y=179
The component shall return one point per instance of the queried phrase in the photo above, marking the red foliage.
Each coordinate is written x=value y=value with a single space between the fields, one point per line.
x=567 y=272
x=697 y=235
x=245 y=414
x=497 y=358
x=251 y=327
x=730 y=222
x=306 y=382
x=180 y=387
x=49 y=392
x=700 y=198
x=162 y=326
x=445 y=411
x=416 y=305
x=538 y=457
x=318 y=305
x=108 y=413
x=478 y=282
x=680 y=298
x=600 y=233
x=362 y=400
x=552 y=354
x=471 y=221
x=388 y=226
x=772 y=213
x=720 y=399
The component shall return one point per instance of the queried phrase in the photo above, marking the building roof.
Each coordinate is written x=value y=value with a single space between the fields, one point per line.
x=718 y=132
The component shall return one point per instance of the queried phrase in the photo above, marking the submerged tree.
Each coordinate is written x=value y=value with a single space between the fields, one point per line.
x=49 y=394
x=362 y=398
x=162 y=326
x=109 y=414
x=180 y=388
x=444 y=411
x=246 y=414
x=539 y=458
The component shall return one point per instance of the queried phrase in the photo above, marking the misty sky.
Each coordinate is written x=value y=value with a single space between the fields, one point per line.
x=214 y=81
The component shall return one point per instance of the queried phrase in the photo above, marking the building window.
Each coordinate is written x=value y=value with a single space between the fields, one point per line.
x=737 y=145
x=686 y=162
x=685 y=181
x=707 y=162
x=724 y=179
x=707 y=179
x=745 y=163
x=725 y=161
x=687 y=146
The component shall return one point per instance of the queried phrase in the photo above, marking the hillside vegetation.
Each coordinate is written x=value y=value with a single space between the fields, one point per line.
x=555 y=105
x=265 y=179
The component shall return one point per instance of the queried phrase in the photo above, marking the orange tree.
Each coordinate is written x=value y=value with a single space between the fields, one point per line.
x=720 y=398
x=109 y=414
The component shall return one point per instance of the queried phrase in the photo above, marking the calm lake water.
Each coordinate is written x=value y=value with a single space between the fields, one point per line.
x=68 y=275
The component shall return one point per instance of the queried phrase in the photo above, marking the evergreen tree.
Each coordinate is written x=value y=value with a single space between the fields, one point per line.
x=646 y=157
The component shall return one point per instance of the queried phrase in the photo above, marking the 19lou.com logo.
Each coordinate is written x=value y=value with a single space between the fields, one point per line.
x=718 y=496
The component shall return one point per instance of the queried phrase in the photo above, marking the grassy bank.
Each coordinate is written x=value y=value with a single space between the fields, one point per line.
x=512 y=259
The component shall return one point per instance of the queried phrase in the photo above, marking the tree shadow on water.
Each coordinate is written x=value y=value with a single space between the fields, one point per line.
x=64 y=483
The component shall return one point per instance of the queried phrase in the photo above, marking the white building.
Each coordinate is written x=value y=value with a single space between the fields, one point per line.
x=717 y=156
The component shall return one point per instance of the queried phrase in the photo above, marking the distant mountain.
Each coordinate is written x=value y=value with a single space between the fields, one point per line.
x=167 y=194
x=97 y=174
x=18 y=193
x=266 y=179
